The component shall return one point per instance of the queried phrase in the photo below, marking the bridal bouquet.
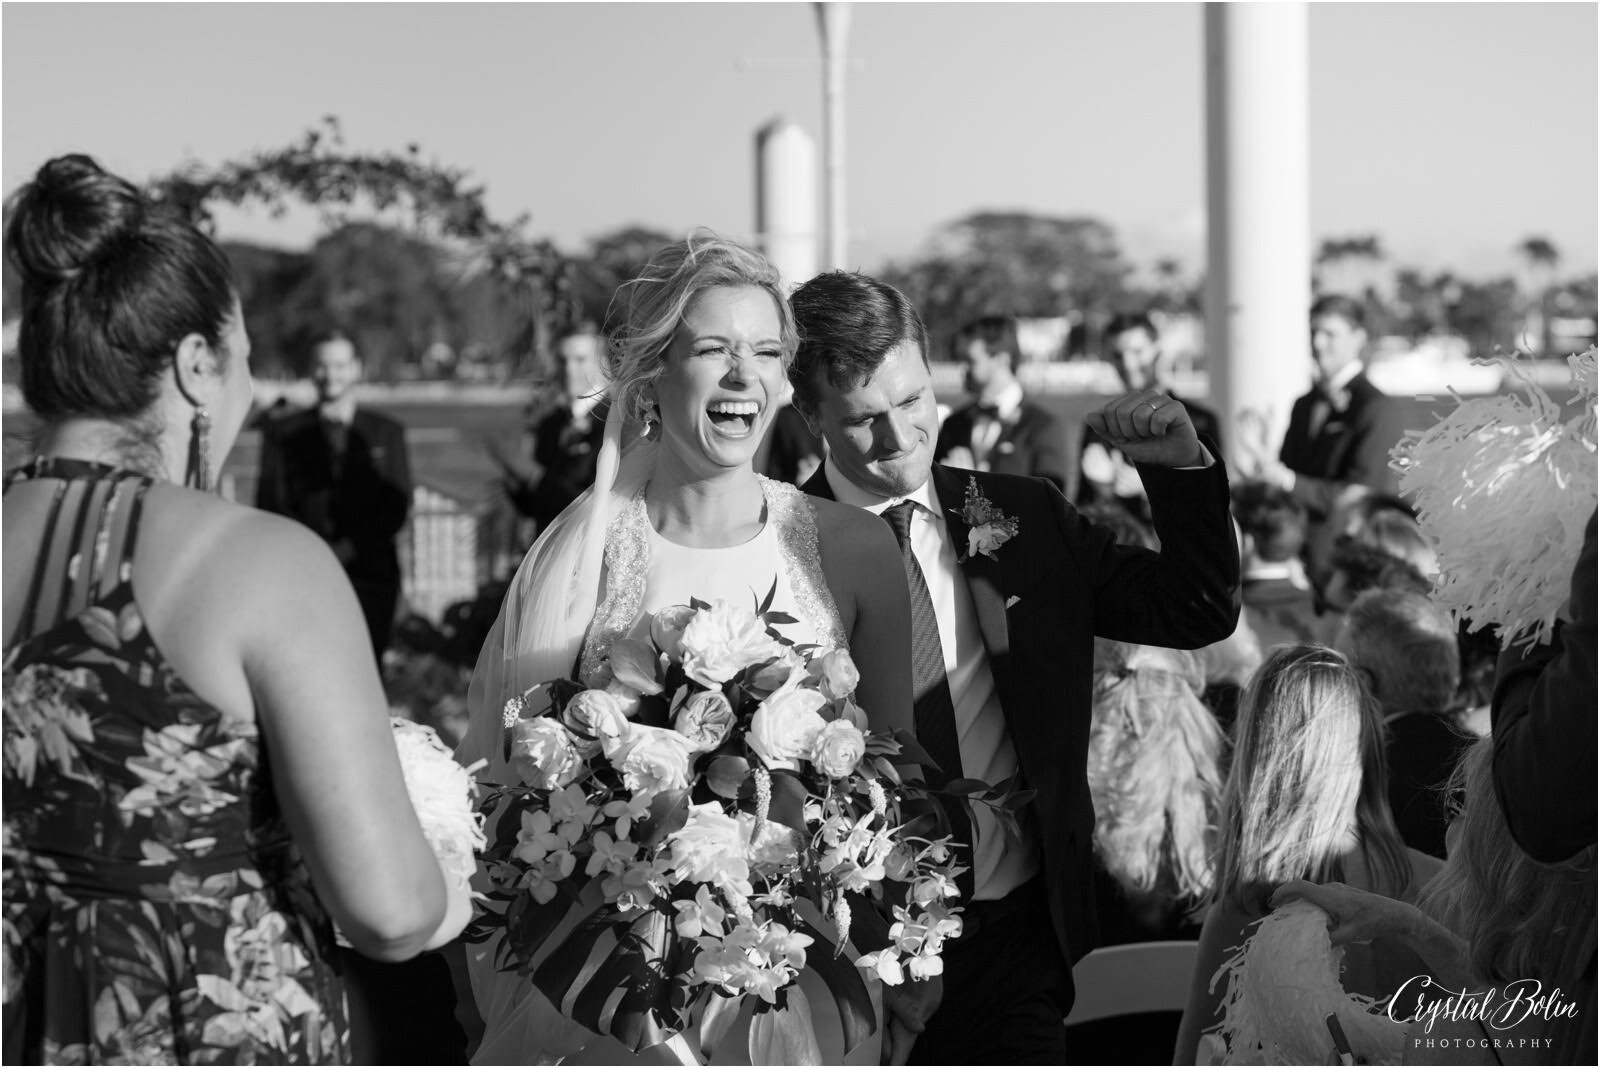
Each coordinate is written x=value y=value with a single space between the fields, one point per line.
x=707 y=816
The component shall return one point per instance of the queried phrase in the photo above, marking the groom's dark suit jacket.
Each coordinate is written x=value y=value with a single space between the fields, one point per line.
x=1040 y=603
x=1351 y=446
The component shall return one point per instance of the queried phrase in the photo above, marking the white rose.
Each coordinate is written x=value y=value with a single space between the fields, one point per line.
x=710 y=844
x=666 y=629
x=543 y=753
x=838 y=748
x=722 y=640
x=985 y=539
x=771 y=848
x=785 y=726
x=652 y=759
x=837 y=672
x=598 y=719
x=706 y=719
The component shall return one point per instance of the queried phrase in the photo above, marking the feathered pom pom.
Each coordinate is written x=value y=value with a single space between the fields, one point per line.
x=1284 y=986
x=1504 y=486
x=442 y=793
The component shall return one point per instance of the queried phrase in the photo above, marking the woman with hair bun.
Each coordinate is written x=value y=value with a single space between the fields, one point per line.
x=199 y=775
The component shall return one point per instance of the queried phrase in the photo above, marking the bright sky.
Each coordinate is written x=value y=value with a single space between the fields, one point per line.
x=1451 y=130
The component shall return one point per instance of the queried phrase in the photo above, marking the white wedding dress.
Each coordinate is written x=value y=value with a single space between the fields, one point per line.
x=644 y=573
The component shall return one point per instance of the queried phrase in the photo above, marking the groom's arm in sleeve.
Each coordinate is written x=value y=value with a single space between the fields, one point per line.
x=1185 y=596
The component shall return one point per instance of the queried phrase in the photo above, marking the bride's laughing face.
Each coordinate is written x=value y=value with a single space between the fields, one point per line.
x=725 y=373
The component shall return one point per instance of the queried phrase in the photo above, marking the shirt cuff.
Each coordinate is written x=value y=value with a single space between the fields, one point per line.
x=1205 y=454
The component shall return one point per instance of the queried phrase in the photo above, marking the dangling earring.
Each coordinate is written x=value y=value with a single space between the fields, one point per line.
x=200 y=450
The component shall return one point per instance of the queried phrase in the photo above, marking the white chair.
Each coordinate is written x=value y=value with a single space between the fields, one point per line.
x=1134 y=978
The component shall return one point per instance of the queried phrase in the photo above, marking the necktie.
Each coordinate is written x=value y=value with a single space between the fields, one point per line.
x=935 y=709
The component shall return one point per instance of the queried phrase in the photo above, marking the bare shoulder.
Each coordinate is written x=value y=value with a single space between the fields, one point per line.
x=236 y=546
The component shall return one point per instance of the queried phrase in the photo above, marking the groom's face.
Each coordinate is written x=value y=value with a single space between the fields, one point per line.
x=882 y=430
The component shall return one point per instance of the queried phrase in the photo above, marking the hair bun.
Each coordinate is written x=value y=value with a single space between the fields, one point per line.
x=72 y=214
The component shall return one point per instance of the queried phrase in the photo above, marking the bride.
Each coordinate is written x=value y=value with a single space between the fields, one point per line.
x=699 y=359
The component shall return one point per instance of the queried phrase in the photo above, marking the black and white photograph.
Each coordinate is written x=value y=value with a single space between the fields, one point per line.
x=779 y=533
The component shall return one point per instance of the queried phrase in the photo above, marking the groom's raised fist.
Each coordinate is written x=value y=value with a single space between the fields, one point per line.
x=1150 y=428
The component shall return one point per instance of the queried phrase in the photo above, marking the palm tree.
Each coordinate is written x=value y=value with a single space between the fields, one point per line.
x=1540 y=256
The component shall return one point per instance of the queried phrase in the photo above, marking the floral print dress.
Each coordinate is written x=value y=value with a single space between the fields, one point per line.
x=155 y=911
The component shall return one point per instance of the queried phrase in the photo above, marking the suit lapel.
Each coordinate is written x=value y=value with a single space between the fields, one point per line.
x=981 y=572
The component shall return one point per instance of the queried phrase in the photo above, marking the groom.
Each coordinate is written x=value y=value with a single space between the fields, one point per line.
x=1009 y=587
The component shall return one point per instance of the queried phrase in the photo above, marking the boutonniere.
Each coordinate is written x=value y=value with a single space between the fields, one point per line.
x=988 y=528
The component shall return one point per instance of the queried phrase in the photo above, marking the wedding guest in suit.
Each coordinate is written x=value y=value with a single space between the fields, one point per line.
x=1278 y=600
x=1341 y=430
x=343 y=471
x=1000 y=430
x=1104 y=474
x=791 y=452
x=1009 y=586
x=542 y=480
x=1406 y=647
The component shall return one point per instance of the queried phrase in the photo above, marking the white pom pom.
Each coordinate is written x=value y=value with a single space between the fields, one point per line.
x=442 y=793
x=1283 y=984
x=1504 y=487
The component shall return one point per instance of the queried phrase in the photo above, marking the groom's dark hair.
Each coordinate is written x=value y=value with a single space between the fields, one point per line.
x=847 y=324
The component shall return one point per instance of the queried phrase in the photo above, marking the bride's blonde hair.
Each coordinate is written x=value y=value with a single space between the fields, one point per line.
x=646 y=312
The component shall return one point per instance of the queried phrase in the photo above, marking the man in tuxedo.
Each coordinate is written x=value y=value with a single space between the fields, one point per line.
x=1340 y=432
x=344 y=472
x=1000 y=430
x=1105 y=476
x=1010 y=586
x=543 y=480
x=1278 y=601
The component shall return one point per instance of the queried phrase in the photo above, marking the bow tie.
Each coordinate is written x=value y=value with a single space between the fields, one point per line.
x=1338 y=399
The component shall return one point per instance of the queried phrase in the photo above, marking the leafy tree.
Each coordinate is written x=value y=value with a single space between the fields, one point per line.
x=614 y=257
x=1013 y=263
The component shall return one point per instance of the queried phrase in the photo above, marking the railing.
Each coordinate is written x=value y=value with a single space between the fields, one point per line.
x=439 y=559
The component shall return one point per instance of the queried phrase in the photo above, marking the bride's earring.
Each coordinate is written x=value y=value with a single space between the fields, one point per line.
x=200 y=450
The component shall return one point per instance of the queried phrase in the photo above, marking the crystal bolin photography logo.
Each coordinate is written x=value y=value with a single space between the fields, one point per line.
x=1498 y=1010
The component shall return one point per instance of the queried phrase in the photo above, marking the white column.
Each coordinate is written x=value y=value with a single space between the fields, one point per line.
x=834 y=21
x=786 y=199
x=1258 y=281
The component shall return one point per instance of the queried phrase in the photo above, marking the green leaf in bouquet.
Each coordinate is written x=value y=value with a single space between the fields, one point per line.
x=965 y=787
x=781 y=618
x=669 y=811
x=726 y=775
x=845 y=982
x=789 y=802
x=927 y=825
x=654 y=711
x=766 y=602
x=783 y=1035
x=886 y=769
x=529 y=924
x=1018 y=800
x=642 y=965
x=762 y=680
x=911 y=751
x=637 y=665
x=717 y=1019
x=562 y=691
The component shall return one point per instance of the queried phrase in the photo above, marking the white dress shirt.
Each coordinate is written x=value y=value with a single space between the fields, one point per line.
x=1000 y=865
x=987 y=429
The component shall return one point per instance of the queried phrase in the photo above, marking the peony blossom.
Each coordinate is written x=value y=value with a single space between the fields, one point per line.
x=785 y=726
x=838 y=748
x=652 y=759
x=543 y=753
x=722 y=640
x=710 y=847
x=705 y=719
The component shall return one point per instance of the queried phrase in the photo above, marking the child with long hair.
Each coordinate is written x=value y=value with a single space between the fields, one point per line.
x=1306 y=798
